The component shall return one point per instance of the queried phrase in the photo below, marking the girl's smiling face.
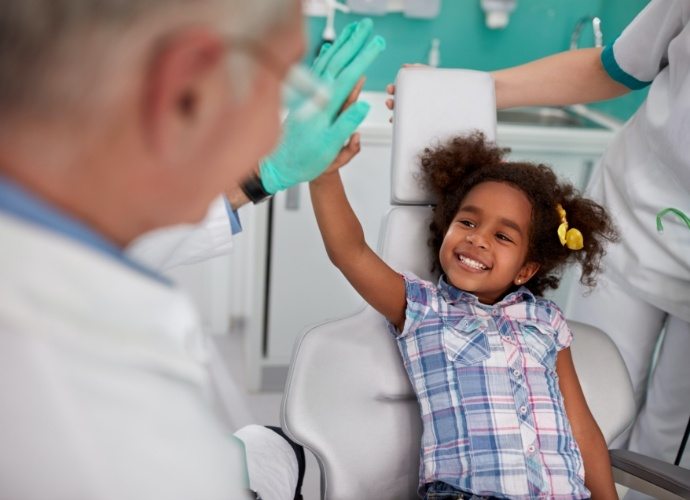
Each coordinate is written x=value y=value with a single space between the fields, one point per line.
x=485 y=248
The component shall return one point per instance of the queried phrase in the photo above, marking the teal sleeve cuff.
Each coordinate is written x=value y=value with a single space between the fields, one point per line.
x=608 y=60
x=235 y=224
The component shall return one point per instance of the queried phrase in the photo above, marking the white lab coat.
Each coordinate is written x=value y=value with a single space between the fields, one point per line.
x=271 y=463
x=104 y=392
x=170 y=247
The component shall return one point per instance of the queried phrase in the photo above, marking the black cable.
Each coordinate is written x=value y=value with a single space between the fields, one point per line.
x=683 y=443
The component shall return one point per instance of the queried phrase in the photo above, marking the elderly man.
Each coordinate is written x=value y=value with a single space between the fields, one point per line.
x=120 y=117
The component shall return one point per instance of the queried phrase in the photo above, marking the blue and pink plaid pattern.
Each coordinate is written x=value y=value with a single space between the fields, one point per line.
x=485 y=377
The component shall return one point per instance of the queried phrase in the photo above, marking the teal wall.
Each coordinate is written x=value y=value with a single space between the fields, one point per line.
x=537 y=28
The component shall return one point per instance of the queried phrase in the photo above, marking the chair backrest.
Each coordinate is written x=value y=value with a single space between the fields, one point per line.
x=433 y=105
x=348 y=398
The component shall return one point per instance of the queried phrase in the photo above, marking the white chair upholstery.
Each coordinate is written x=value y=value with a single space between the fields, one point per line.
x=347 y=398
x=433 y=105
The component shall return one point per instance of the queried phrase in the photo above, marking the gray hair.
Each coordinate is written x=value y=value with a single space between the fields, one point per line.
x=53 y=53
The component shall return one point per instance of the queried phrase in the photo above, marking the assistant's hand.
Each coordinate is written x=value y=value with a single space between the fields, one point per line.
x=390 y=88
x=308 y=147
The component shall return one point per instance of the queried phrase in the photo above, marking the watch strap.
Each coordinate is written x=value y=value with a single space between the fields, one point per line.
x=254 y=189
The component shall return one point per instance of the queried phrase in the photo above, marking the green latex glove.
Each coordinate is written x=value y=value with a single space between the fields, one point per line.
x=309 y=146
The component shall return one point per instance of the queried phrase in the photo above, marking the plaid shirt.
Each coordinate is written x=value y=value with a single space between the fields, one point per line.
x=486 y=382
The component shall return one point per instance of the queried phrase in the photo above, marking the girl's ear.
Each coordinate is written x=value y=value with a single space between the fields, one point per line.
x=526 y=272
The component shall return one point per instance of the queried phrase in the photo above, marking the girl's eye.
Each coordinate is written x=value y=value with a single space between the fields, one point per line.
x=467 y=223
x=503 y=237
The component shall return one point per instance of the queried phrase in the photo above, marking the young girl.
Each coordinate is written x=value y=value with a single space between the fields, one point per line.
x=503 y=412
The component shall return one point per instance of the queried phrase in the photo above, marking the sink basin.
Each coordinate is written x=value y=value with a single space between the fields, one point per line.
x=543 y=116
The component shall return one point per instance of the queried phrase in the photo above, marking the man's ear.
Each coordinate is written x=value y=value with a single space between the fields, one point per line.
x=526 y=272
x=183 y=94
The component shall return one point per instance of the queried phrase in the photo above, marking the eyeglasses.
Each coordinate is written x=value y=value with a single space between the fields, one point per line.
x=303 y=94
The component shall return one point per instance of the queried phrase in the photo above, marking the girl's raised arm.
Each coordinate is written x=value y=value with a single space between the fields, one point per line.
x=374 y=280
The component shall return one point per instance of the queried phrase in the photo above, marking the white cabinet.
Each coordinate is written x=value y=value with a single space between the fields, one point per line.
x=302 y=287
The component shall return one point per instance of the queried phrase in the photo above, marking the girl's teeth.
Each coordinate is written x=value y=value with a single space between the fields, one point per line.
x=472 y=263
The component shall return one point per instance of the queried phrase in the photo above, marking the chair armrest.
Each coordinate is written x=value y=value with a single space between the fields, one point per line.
x=649 y=475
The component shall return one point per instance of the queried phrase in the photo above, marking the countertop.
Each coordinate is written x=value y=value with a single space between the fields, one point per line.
x=377 y=129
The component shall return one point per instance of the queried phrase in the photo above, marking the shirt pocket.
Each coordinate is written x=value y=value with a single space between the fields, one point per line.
x=540 y=343
x=465 y=341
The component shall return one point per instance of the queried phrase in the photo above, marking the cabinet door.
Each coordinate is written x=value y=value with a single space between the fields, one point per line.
x=304 y=288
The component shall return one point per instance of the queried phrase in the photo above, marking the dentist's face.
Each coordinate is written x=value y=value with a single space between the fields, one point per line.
x=209 y=133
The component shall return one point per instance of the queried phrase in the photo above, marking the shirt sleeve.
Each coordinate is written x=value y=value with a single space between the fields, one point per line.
x=419 y=296
x=641 y=51
x=167 y=248
x=564 y=337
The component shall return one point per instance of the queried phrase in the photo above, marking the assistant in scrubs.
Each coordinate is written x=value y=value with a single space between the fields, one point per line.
x=646 y=286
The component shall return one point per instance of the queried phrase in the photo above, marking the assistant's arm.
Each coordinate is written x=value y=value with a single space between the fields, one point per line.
x=631 y=62
x=572 y=77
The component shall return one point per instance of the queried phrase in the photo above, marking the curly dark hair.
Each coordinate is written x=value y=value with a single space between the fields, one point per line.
x=450 y=170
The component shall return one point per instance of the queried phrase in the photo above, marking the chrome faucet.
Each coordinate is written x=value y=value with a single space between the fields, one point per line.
x=577 y=30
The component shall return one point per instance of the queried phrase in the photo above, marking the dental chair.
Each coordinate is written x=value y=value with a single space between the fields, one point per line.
x=348 y=399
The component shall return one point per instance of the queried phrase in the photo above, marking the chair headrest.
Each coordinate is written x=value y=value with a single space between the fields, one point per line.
x=431 y=106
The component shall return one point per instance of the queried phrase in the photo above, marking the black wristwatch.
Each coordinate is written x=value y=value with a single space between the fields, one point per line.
x=254 y=190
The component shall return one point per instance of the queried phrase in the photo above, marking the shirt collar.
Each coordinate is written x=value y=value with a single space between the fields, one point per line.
x=20 y=203
x=452 y=295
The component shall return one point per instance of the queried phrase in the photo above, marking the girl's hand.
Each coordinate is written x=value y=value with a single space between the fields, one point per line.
x=354 y=95
x=353 y=146
x=349 y=151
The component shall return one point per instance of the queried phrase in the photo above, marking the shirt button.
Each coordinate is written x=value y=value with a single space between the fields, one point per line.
x=516 y=373
x=523 y=409
x=531 y=448
x=496 y=312
x=506 y=338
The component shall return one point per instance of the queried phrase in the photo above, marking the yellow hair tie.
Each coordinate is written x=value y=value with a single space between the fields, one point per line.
x=572 y=238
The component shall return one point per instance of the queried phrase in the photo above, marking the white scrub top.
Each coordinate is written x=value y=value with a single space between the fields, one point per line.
x=647 y=166
x=104 y=386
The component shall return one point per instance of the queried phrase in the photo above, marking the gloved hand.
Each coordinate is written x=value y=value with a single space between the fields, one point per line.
x=309 y=146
